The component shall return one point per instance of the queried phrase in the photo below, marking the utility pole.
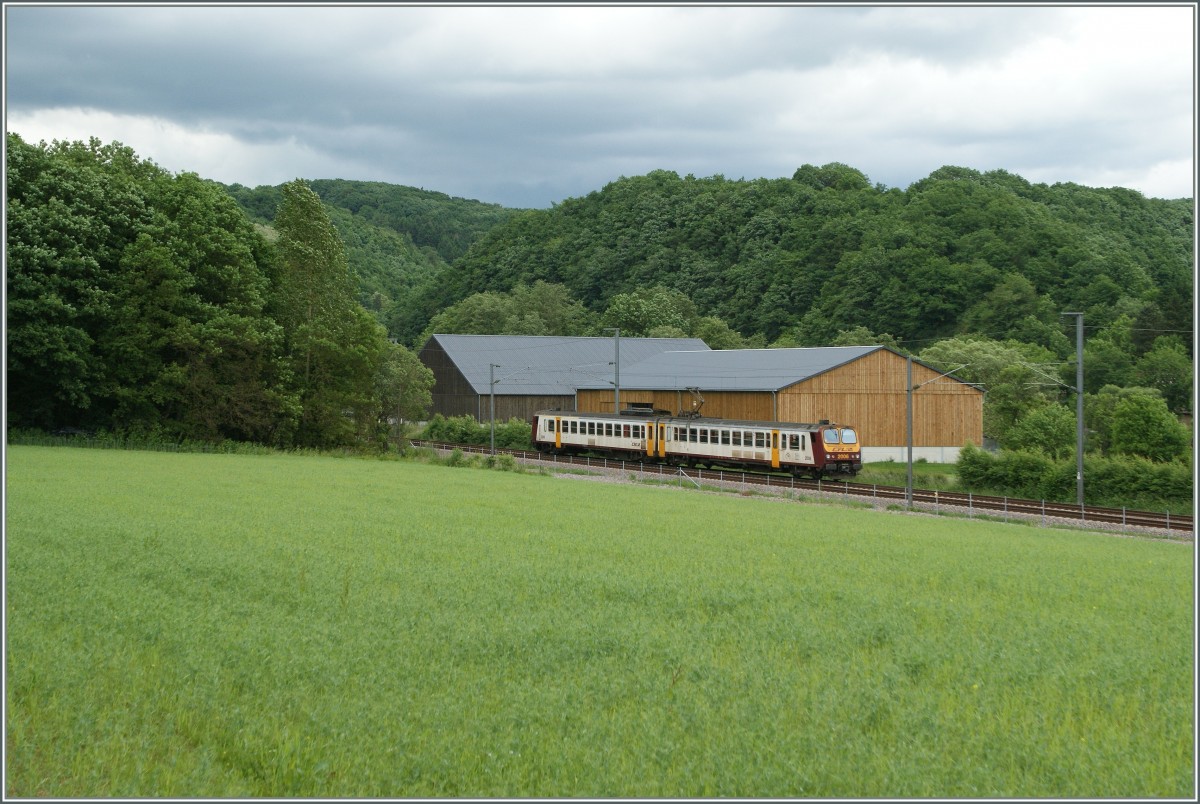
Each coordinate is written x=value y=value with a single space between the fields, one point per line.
x=1078 y=407
x=492 y=389
x=616 y=368
x=908 y=486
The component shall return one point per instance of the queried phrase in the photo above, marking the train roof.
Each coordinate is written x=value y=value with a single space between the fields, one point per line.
x=699 y=421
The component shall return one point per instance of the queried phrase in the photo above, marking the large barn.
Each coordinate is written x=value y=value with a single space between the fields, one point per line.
x=529 y=372
x=863 y=386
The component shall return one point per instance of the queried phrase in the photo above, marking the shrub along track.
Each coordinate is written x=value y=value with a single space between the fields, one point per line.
x=1121 y=520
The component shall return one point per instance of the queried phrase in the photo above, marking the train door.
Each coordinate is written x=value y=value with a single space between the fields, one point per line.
x=558 y=432
x=795 y=449
x=774 y=449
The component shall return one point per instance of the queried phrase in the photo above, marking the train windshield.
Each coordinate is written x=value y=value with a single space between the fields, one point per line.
x=831 y=437
x=849 y=436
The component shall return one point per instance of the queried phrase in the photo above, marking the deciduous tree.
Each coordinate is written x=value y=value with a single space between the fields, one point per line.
x=333 y=343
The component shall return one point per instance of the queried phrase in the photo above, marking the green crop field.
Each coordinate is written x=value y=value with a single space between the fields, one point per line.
x=275 y=625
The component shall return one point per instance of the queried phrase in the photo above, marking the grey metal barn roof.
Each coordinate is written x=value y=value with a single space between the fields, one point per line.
x=734 y=369
x=548 y=365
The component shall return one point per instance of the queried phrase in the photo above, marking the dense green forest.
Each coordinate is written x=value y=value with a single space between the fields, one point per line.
x=802 y=259
x=399 y=241
x=138 y=298
x=962 y=267
x=788 y=261
x=144 y=302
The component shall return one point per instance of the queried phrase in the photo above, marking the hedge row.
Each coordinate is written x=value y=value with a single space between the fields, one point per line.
x=512 y=434
x=1128 y=482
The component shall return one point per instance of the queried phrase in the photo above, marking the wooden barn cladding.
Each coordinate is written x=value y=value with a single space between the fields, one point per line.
x=864 y=386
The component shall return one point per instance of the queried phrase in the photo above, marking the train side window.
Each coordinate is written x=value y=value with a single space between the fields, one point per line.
x=793 y=442
x=737 y=438
x=703 y=435
x=608 y=429
x=803 y=441
x=725 y=437
x=760 y=439
x=591 y=428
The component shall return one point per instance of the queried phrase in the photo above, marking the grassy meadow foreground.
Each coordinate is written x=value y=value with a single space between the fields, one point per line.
x=244 y=625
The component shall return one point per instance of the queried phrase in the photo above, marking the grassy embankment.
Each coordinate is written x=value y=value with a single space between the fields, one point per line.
x=225 y=625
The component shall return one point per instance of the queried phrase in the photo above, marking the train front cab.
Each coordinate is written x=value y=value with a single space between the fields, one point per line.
x=838 y=451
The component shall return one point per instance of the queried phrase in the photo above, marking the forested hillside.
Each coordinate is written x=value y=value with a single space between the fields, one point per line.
x=801 y=259
x=400 y=241
x=782 y=261
x=968 y=271
x=144 y=302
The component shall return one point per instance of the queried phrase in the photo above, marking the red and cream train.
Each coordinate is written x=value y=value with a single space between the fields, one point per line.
x=815 y=450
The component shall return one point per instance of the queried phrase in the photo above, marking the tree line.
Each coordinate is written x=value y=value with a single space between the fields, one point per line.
x=142 y=301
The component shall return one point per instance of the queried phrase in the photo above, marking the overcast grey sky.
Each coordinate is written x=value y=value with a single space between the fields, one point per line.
x=528 y=106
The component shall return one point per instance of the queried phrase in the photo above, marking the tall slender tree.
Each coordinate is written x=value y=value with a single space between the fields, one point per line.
x=334 y=344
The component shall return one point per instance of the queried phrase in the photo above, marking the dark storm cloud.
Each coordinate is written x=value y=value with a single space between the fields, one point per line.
x=526 y=106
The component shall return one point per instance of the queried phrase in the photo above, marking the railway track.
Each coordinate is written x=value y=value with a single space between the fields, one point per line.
x=1123 y=519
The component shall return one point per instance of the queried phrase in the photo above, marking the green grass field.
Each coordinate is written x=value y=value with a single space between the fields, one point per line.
x=241 y=626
